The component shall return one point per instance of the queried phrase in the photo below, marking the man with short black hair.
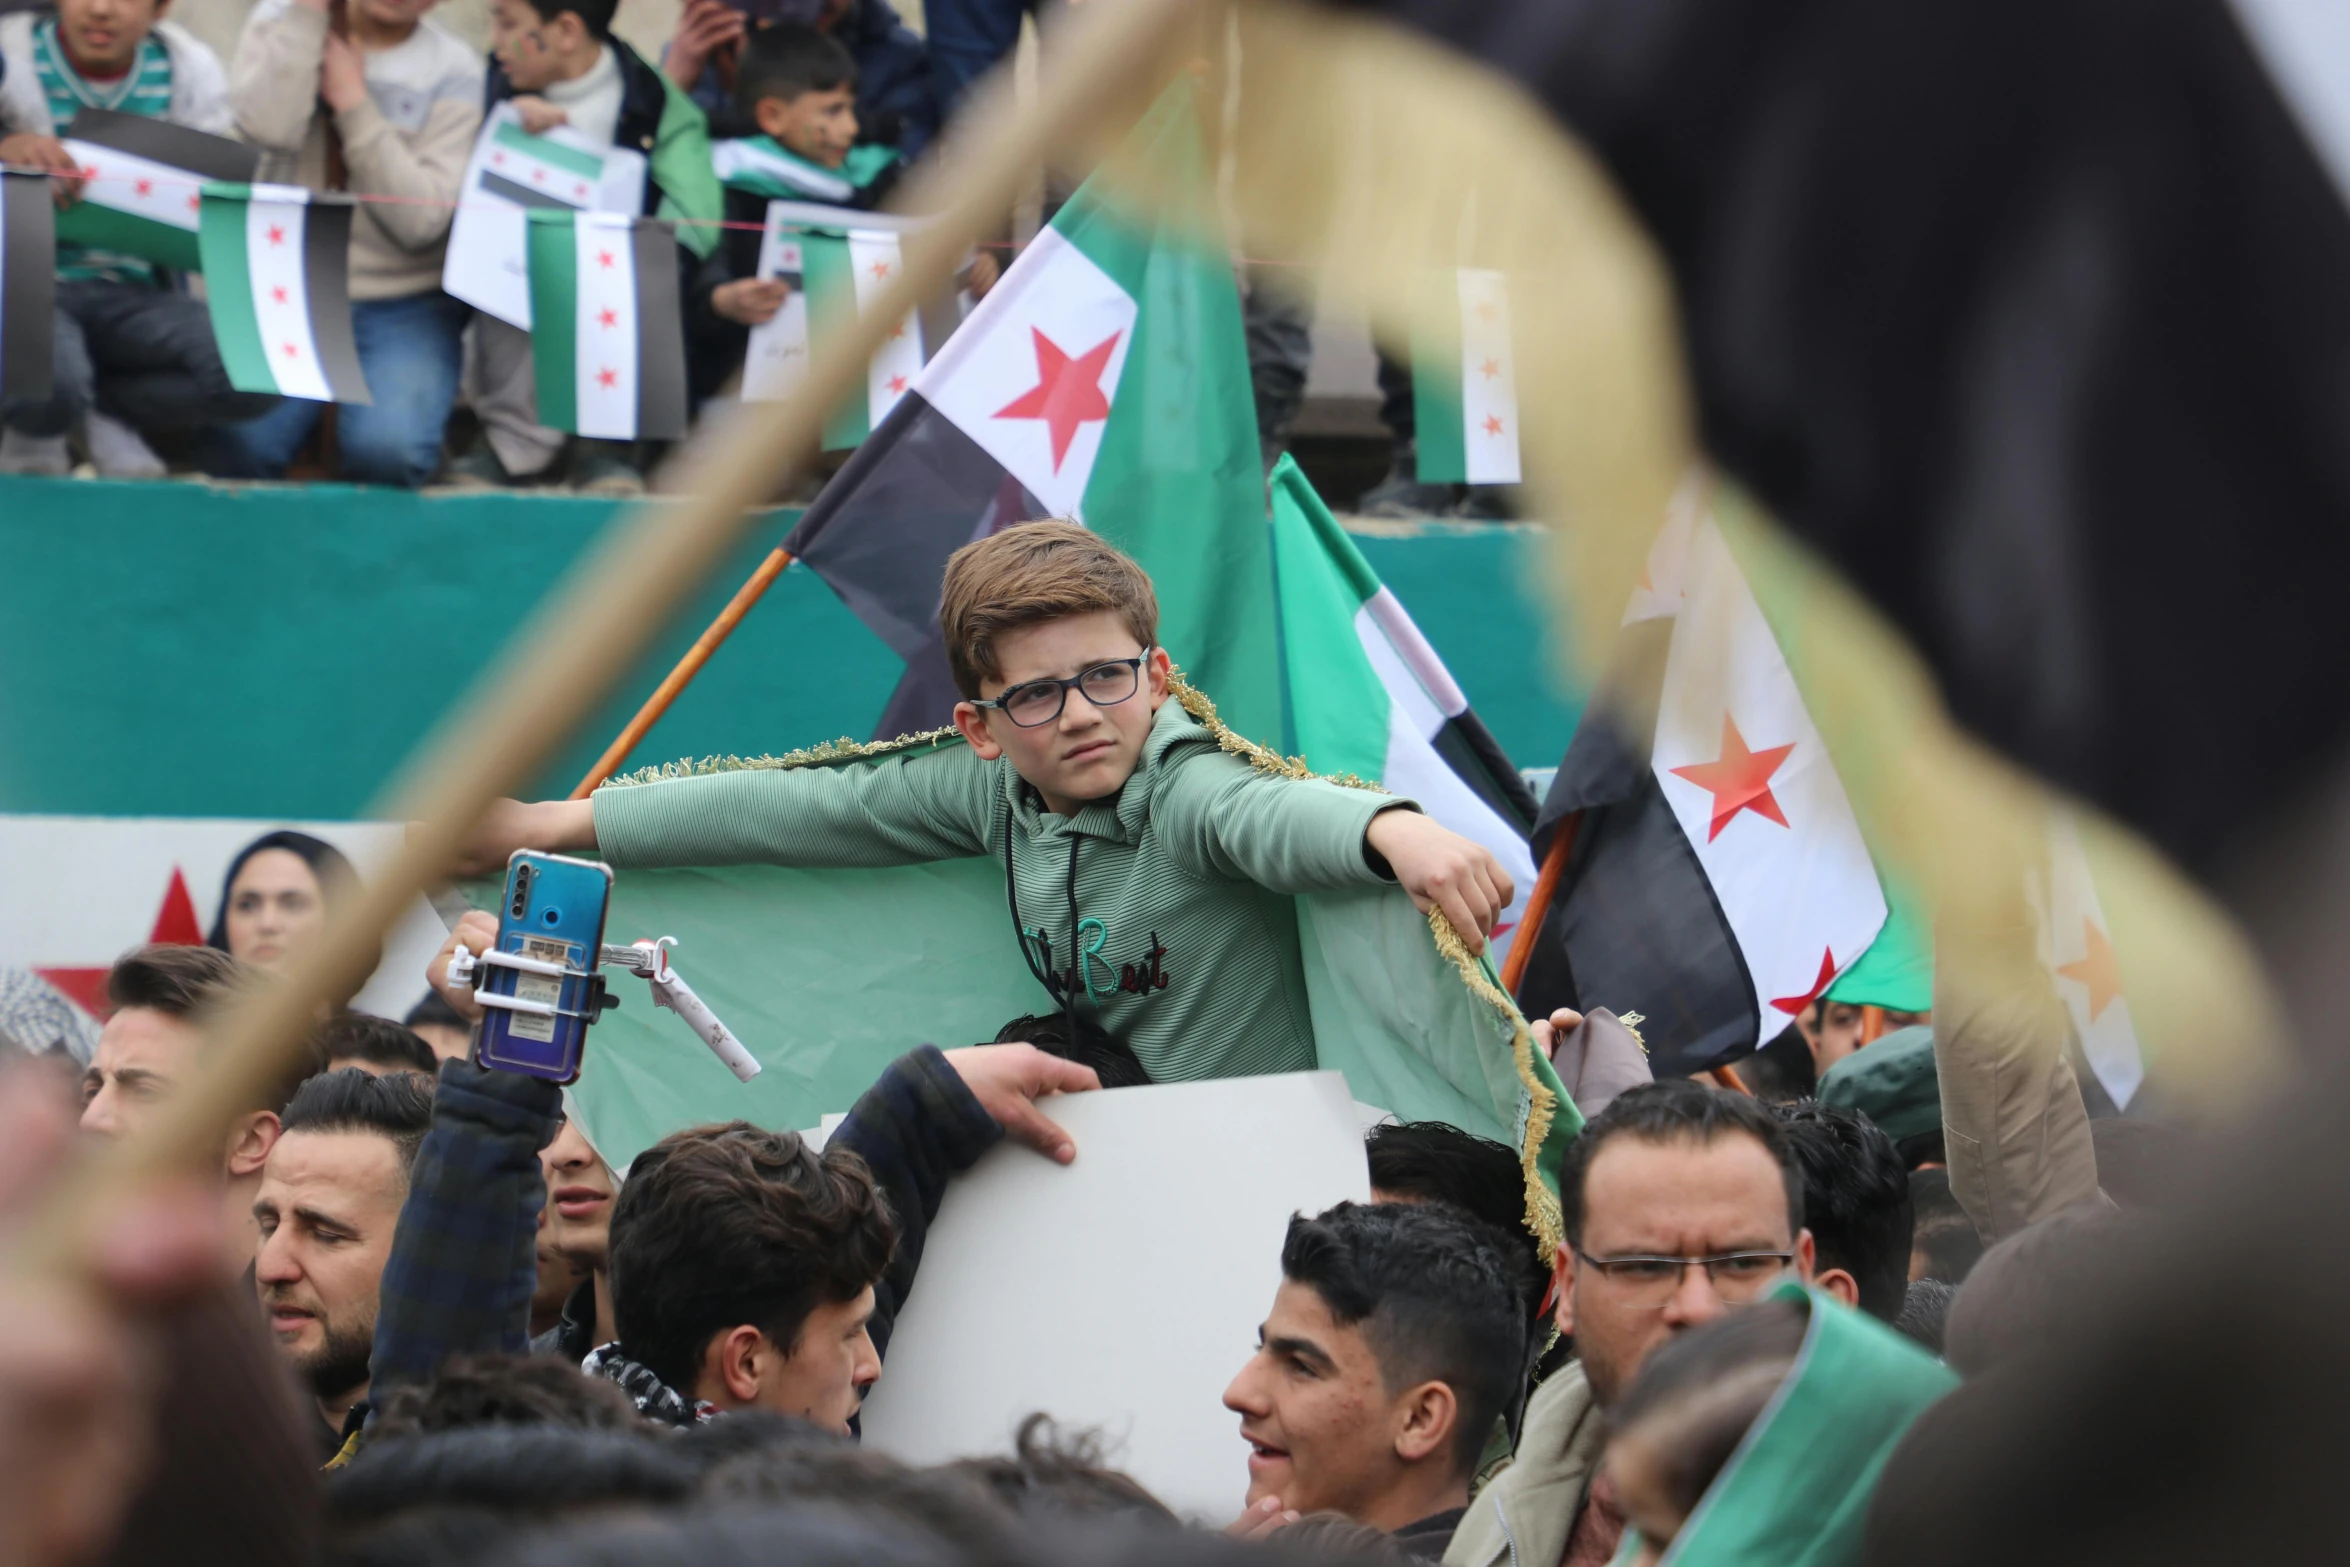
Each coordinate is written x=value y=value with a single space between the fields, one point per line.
x=152 y=1047
x=1394 y=1343
x=374 y=1045
x=1855 y=1203
x=329 y=1200
x=1679 y=1202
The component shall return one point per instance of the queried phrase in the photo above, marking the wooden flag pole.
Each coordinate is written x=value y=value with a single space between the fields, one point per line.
x=687 y=667
x=1546 y=884
x=585 y=637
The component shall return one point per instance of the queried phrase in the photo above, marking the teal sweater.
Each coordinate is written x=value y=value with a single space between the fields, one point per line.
x=1188 y=871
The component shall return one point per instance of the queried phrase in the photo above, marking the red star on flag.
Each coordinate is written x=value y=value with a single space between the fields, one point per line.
x=897 y=383
x=607 y=378
x=1484 y=309
x=897 y=334
x=498 y=158
x=1492 y=424
x=579 y=190
x=2097 y=970
x=881 y=269
x=1740 y=780
x=277 y=235
x=1489 y=369
x=603 y=258
x=278 y=293
x=1793 y=1005
x=538 y=176
x=1068 y=392
x=292 y=352
x=195 y=203
x=144 y=187
x=608 y=316
x=175 y=923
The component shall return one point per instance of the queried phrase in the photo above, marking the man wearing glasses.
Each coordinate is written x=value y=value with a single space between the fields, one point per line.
x=1680 y=1202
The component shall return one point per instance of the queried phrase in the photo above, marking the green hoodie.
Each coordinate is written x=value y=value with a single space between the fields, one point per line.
x=1796 y=1492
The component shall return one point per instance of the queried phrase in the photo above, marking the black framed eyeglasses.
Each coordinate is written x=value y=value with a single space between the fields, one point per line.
x=1649 y=1282
x=1036 y=702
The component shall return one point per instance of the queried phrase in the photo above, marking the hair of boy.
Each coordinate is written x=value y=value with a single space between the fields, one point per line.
x=719 y=1226
x=515 y=1471
x=788 y=60
x=1925 y=1314
x=943 y=1503
x=1941 y=1231
x=357 y=1036
x=1439 y=1297
x=1855 y=1200
x=1672 y=1110
x=1700 y=1392
x=194 y=985
x=1112 y=1059
x=1056 y=1473
x=1437 y=1162
x=595 y=16
x=503 y=1390
x=434 y=1008
x=396 y=1107
x=1027 y=575
x=1781 y=1071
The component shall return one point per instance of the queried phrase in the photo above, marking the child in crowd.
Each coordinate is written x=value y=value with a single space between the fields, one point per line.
x=1151 y=870
x=373 y=98
x=799 y=88
x=895 y=99
x=133 y=352
x=560 y=65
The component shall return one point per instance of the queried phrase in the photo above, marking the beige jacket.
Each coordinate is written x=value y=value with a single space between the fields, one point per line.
x=408 y=140
x=1523 y=1516
x=2015 y=1130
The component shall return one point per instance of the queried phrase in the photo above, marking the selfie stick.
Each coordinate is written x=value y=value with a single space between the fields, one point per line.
x=647 y=959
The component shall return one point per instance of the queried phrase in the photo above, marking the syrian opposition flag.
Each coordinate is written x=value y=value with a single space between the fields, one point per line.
x=1465 y=412
x=1103 y=379
x=142 y=184
x=1371 y=698
x=2077 y=946
x=608 y=334
x=1716 y=880
x=835 y=275
x=28 y=286
x=277 y=280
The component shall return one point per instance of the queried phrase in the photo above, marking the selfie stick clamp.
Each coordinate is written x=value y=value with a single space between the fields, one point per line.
x=648 y=960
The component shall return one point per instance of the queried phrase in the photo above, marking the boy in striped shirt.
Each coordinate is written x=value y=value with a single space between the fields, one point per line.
x=1151 y=872
x=133 y=352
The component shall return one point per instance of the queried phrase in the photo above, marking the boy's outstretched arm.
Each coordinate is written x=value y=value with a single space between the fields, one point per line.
x=1443 y=870
x=549 y=826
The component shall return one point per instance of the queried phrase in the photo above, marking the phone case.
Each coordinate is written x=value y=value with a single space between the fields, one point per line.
x=553 y=912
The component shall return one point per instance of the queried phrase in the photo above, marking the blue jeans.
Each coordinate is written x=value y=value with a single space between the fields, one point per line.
x=408 y=350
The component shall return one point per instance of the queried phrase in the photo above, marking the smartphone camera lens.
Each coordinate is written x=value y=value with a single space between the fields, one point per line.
x=552 y=916
x=521 y=891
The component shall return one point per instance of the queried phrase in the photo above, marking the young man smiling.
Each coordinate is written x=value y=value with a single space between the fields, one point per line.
x=1395 y=1341
x=1135 y=845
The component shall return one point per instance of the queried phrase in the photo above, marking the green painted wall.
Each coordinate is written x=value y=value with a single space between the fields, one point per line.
x=276 y=651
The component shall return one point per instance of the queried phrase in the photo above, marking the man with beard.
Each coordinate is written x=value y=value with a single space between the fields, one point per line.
x=329 y=1201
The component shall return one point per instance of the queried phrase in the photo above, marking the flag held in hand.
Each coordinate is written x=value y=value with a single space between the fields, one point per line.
x=607 y=335
x=142 y=180
x=277 y=279
x=1465 y=406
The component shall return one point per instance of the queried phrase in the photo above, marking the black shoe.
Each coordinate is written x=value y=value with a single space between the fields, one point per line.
x=607 y=468
x=1488 y=503
x=478 y=468
x=1402 y=497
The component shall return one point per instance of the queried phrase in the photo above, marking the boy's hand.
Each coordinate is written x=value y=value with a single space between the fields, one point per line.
x=750 y=301
x=985 y=270
x=342 y=74
x=540 y=116
x=1443 y=870
x=706 y=27
x=27 y=151
x=1549 y=1031
x=1007 y=1080
x=550 y=826
x=476 y=932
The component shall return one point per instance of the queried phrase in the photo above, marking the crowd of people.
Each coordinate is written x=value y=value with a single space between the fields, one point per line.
x=820 y=102
x=432 y=1323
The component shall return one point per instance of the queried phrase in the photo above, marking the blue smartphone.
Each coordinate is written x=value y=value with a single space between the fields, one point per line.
x=553 y=913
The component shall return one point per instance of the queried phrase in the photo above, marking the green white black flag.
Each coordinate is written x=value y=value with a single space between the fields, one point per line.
x=28 y=286
x=1465 y=404
x=141 y=184
x=277 y=279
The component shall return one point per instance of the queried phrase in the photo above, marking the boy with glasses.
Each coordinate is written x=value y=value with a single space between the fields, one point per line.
x=1679 y=1202
x=1150 y=872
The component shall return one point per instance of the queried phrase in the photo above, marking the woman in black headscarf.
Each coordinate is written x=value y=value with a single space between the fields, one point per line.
x=275 y=896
